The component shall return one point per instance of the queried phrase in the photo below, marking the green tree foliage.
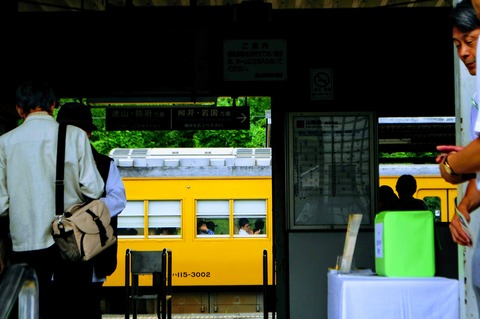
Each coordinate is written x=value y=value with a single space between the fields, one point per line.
x=104 y=141
x=408 y=157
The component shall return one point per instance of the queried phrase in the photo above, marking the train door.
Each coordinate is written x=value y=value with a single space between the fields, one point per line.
x=440 y=201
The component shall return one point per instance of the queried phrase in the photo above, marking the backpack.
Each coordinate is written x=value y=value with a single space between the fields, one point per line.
x=83 y=231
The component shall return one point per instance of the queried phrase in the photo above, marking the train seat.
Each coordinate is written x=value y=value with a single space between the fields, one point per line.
x=158 y=264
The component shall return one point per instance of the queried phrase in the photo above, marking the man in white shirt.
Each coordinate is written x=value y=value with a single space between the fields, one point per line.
x=244 y=229
x=458 y=164
x=27 y=182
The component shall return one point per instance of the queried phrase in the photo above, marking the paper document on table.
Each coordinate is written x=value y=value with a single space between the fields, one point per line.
x=465 y=225
x=350 y=240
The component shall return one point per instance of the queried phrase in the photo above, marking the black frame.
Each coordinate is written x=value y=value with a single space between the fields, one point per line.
x=332 y=169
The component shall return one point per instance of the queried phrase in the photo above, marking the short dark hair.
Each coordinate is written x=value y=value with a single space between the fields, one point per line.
x=406 y=185
x=463 y=17
x=259 y=223
x=243 y=221
x=33 y=94
x=76 y=114
x=211 y=225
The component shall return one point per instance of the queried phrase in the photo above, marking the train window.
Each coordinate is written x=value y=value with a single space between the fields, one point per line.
x=164 y=218
x=213 y=218
x=434 y=205
x=131 y=220
x=249 y=217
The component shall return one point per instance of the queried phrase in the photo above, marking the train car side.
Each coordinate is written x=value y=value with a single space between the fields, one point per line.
x=223 y=259
x=170 y=198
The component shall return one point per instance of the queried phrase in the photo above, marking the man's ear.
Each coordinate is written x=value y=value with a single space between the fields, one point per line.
x=52 y=107
x=20 y=111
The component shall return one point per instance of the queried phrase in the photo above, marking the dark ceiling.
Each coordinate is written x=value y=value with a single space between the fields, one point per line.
x=125 y=47
x=103 y=5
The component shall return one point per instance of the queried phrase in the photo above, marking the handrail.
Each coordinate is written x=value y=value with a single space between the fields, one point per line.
x=265 y=284
x=168 y=252
x=19 y=281
x=269 y=295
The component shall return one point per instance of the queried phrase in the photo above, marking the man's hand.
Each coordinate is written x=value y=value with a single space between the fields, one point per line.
x=459 y=236
x=449 y=148
x=448 y=177
x=446 y=149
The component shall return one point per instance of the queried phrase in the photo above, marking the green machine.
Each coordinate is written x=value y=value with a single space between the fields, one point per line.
x=404 y=244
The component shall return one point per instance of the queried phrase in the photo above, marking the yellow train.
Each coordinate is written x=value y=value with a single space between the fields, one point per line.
x=172 y=191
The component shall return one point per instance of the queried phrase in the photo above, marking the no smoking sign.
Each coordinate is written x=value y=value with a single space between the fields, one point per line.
x=321 y=84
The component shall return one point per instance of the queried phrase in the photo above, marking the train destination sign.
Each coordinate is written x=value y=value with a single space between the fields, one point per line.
x=177 y=118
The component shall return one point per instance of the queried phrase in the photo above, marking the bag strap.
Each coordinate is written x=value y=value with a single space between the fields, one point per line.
x=59 y=180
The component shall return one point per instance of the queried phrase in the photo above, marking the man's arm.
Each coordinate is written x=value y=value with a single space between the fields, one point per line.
x=90 y=180
x=115 y=198
x=469 y=203
x=464 y=161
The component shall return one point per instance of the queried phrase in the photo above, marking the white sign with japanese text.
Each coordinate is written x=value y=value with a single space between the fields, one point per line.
x=255 y=60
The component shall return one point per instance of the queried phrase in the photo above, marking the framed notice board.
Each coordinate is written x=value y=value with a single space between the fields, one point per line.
x=332 y=169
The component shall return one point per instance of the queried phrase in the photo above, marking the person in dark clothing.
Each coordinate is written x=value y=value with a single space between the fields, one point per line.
x=202 y=228
x=387 y=199
x=406 y=187
x=259 y=224
x=114 y=196
x=211 y=225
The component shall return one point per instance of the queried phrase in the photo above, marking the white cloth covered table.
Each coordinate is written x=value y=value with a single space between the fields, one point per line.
x=353 y=296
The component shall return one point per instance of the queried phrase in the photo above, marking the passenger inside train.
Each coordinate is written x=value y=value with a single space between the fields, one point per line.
x=259 y=224
x=244 y=225
x=202 y=228
x=211 y=225
x=387 y=199
x=406 y=187
x=166 y=231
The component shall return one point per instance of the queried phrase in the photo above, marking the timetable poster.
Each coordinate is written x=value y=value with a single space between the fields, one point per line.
x=331 y=169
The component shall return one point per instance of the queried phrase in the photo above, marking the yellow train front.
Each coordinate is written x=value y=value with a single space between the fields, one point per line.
x=173 y=192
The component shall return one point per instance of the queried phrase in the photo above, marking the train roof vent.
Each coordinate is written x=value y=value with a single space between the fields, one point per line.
x=220 y=151
x=244 y=152
x=139 y=152
x=163 y=151
x=120 y=152
x=263 y=152
x=190 y=151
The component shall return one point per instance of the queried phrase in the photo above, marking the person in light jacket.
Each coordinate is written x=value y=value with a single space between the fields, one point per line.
x=27 y=184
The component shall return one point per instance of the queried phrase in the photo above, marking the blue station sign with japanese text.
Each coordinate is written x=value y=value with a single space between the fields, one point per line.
x=177 y=118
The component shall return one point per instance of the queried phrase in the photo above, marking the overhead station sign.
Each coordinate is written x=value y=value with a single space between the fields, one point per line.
x=178 y=118
x=255 y=60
